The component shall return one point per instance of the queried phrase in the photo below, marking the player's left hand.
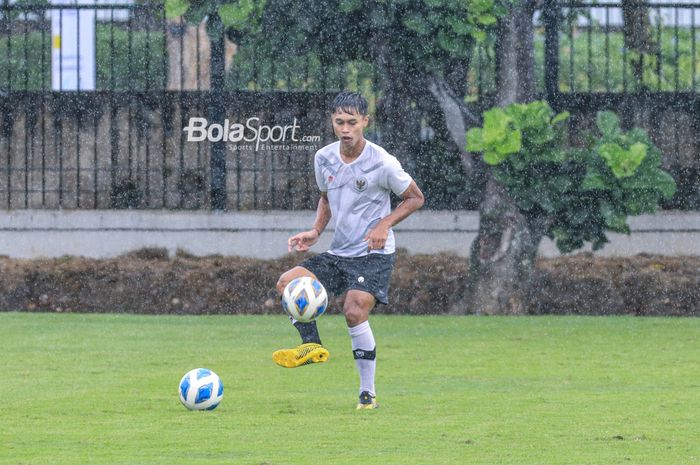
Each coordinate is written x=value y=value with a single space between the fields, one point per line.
x=303 y=241
x=376 y=238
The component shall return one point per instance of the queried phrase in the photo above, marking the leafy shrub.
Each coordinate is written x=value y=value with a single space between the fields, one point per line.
x=578 y=194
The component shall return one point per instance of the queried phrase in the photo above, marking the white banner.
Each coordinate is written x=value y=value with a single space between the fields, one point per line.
x=72 y=47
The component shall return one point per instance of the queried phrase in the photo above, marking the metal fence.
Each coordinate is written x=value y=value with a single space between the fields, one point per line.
x=604 y=47
x=133 y=54
x=118 y=143
x=641 y=61
x=138 y=49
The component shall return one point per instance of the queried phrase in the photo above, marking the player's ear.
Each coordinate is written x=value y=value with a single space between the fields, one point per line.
x=365 y=121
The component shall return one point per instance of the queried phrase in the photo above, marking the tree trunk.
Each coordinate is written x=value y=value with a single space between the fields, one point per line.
x=503 y=254
x=502 y=258
x=515 y=56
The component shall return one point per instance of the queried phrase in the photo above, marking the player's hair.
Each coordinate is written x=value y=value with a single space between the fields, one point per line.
x=348 y=102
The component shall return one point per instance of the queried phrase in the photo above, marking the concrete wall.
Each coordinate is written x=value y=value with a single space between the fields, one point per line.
x=108 y=233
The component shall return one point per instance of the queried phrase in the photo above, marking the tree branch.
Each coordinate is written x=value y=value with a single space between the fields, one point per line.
x=458 y=117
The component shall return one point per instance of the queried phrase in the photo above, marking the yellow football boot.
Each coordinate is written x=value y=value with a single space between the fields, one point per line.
x=367 y=401
x=301 y=355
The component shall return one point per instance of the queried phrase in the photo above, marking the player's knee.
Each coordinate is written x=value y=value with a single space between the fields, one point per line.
x=290 y=275
x=355 y=313
x=282 y=283
x=354 y=317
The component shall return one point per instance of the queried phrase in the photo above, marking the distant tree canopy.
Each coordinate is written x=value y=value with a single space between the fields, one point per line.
x=427 y=35
x=241 y=16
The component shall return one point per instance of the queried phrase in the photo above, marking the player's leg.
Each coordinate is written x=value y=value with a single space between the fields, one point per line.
x=289 y=275
x=307 y=331
x=368 y=282
x=357 y=306
x=322 y=268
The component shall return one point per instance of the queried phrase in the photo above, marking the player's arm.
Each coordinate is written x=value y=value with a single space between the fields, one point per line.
x=323 y=213
x=412 y=200
x=303 y=241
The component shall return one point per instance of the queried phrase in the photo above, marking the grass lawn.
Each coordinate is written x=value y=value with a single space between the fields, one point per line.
x=102 y=389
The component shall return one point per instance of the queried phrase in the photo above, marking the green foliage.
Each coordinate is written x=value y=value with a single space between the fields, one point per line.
x=421 y=34
x=176 y=8
x=241 y=16
x=580 y=193
x=20 y=64
x=141 y=66
x=498 y=138
x=237 y=14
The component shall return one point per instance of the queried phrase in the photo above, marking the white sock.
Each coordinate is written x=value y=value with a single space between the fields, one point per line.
x=364 y=351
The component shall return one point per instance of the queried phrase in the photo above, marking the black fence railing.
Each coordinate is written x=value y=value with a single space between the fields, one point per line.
x=128 y=150
x=605 y=47
x=137 y=48
x=118 y=141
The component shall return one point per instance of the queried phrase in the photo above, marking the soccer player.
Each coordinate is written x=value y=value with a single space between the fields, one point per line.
x=355 y=177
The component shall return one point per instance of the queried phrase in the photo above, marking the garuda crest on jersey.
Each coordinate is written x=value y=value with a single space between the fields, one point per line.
x=360 y=184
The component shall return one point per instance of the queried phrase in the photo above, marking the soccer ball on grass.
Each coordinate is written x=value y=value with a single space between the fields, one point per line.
x=201 y=389
x=304 y=299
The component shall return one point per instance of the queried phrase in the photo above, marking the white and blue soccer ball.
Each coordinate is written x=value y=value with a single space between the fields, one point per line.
x=201 y=389
x=304 y=299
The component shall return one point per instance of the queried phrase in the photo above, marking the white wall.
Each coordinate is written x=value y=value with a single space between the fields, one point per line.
x=108 y=233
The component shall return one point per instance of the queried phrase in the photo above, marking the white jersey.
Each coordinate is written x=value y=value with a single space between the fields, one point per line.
x=358 y=194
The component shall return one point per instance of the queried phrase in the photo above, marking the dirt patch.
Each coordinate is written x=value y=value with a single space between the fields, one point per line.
x=148 y=281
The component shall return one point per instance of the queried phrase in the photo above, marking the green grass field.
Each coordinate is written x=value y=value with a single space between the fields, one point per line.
x=102 y=389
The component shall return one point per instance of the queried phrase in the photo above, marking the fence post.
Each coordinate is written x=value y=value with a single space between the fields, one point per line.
x=217 y=110
x=550 y=18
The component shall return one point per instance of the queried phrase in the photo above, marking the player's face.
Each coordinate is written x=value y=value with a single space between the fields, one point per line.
x=349 y=127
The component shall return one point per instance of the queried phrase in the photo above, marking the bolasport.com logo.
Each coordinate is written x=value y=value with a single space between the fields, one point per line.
x=253 y=135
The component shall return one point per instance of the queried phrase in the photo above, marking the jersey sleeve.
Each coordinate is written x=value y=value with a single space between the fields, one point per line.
x=320 y=179
x=396 y=178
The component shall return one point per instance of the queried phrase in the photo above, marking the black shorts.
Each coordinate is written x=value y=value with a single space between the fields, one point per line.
x=370 y=273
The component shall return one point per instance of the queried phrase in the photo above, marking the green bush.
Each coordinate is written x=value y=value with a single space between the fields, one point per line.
x=578 y=194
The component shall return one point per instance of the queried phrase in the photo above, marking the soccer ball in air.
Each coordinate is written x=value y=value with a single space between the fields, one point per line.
x=201 y=389
x=304 y=299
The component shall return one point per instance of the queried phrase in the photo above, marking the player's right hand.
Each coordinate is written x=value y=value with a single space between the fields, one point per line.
x=303 y=241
